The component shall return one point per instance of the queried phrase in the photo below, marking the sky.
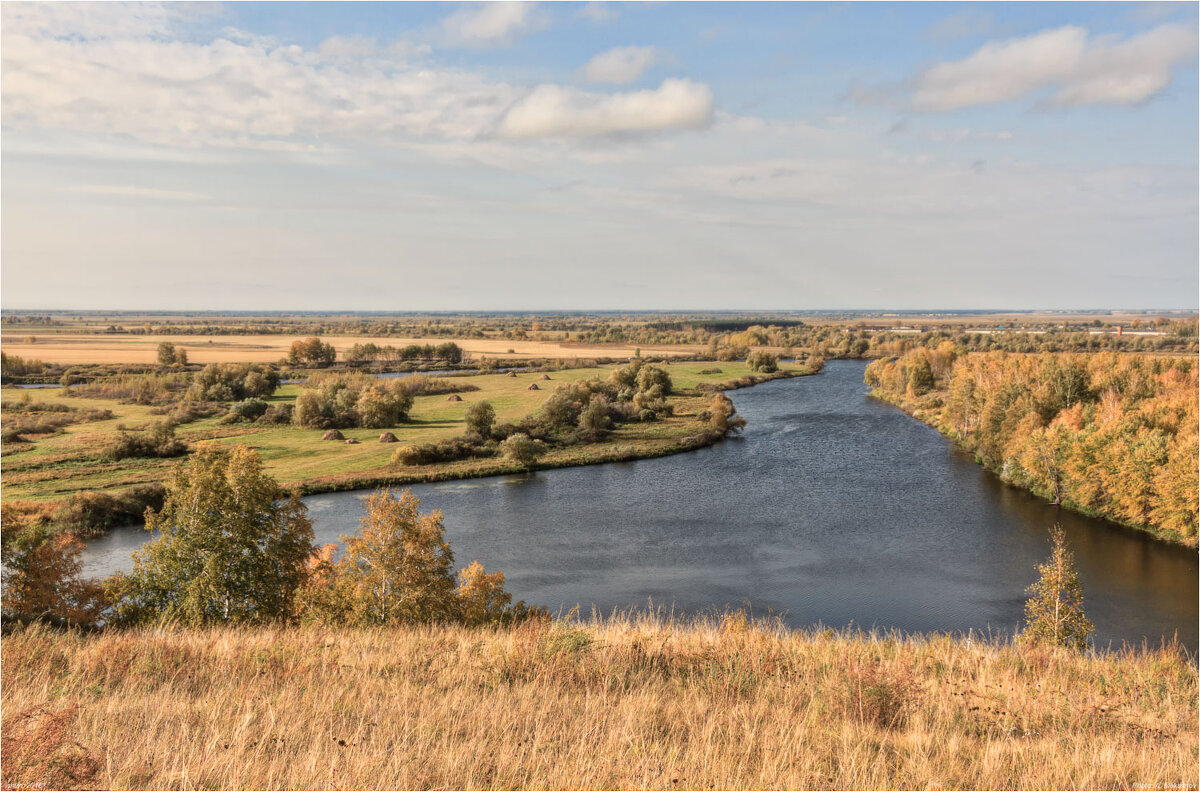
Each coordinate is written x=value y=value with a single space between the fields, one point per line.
x=587 y=156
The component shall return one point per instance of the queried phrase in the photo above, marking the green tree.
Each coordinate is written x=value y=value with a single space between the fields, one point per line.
x=232 y=549
x=311 y=350
x=594 y=421
x=920 y=376
x=762 y=361
x=166 y=354
x=522 y=449
x=398 y=568
x=480 y=418
x=648 y=377
x=1054 y=612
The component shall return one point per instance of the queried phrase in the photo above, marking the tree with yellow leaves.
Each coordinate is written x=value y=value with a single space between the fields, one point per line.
x=1054 y=612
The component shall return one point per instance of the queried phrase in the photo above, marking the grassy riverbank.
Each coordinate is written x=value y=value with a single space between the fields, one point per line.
x=53 y=468
x=626 y=703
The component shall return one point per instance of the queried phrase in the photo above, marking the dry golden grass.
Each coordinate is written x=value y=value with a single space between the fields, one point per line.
x=80 y=348
x=629 y=703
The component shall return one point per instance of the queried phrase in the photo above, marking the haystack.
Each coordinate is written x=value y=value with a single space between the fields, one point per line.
x=388 y=437
x=333 y=434
x=351 y=441
x=545 y=376
x=533 y=386
x=511 y=374
x=454 y=397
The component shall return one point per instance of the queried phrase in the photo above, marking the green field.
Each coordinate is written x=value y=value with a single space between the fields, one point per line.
x=54 y=467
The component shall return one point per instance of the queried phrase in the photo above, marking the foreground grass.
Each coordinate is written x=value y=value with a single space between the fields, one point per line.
x=55 y=467
x=626 y=703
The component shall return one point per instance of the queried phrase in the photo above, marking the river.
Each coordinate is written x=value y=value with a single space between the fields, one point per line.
x=834 y=508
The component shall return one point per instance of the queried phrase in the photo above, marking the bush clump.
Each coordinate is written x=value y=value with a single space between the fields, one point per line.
x=227 y=382
x=344 y=401
x=157 y=441
x=449 y=450
x=249 y=409
x=522 y=449
x=762 y=361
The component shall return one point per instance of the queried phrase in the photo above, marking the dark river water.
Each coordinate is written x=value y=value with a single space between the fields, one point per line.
x=834 y=508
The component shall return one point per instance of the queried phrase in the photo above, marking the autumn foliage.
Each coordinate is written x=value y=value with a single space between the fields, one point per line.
x=1110 y=434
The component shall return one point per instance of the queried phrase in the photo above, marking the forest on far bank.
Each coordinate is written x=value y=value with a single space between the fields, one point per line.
x=1109 y=434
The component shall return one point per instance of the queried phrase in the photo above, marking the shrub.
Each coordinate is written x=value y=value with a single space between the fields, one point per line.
x=277 y=414
x=522 y=449
x=135 y=388
x=157 y=441
x=42 y=578
x=594 y=421
x=249 y=409
x=880 y=696
x=92 y=512
x=721 y=415
x=421 y=385
x=171 y=355
x=443 y=451
x=224 y=382
x=187 y=412
x=763 y=361
x=732 y=353
x=480 y=418
x=344 y=401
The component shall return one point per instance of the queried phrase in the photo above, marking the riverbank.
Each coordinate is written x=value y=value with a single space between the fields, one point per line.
x=908 y=407
x=626 y=703
x=54 y=470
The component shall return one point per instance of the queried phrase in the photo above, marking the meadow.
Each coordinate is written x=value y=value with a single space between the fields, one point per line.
x=54 y=467
x=629 y=702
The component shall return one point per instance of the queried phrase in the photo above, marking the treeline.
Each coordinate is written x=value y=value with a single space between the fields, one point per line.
x=449 y=352
x=234 y=548
x=1109 y=434
x=16 y=366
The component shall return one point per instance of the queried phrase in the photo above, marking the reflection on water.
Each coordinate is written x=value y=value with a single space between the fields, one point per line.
x=834 y=508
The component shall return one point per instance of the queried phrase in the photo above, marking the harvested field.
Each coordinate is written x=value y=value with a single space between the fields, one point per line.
x=74 y=349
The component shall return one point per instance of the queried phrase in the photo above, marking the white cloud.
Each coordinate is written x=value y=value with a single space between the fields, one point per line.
x=1095 y=71
x=999 y=72
x=620 y=65
x=347 y=47
x=557 y=111
x=1131 y=71
x=239 y=90
x=491 y=23
x=89 y=20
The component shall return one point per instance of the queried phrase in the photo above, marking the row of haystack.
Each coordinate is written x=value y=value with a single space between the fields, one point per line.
x=334 y=434
x=513 y=374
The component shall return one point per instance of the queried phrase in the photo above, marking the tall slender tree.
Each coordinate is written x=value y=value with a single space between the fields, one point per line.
x=1054 y=612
